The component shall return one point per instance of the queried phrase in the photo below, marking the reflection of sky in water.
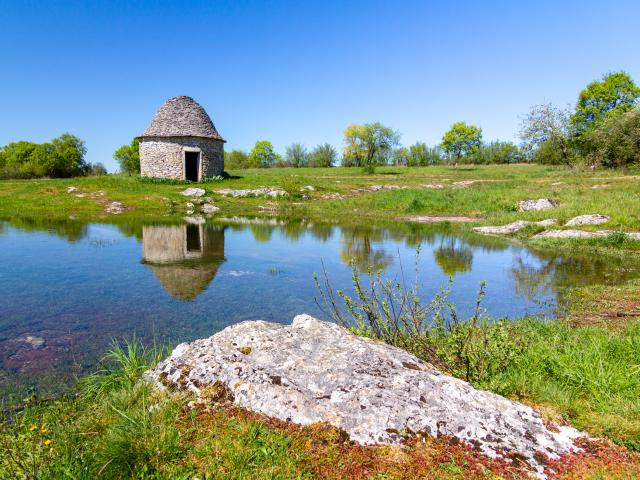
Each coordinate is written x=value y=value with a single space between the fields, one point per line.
x=78 y=289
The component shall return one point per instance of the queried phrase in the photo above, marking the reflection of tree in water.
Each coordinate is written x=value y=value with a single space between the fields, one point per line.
x=261 y=233
x=70 y=230
x=184 y=258
x=453 y=256
x=557 y=272
x=357 y=249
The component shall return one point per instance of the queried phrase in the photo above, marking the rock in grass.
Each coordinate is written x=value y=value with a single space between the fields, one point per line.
x=256 y=192
x=513 y=227
x=313 y=371
x=536 y=205
x=193 y=192
x=573 y=234
x=595 y=219
x=209 y=209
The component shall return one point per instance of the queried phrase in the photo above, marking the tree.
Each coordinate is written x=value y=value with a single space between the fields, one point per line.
x=62 y=157
x=262 y=155
x=369 y=144
x=461 y=140
x=544 y=133
x=498 y=152
x=401 y=156
x=128 y=156
x=323 y=156
x=421 y=155
x=236 y=159
x=615 y=142
x=615 y=93
x=296 y=155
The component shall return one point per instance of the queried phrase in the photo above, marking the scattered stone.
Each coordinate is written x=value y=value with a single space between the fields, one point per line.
x=595 y=219
x=193 y=192
x=209 y=209
x=555 y=184
x=71 y=189
x=513 y=227
x=313 y=371
x=436 y=219
x=196 y=220
x=536 y=205
x=463 y=183
x=308 y=188
x=268 y=208
x=115 y=208
x=33 y=341
x=434 y=186
x=256 y=192
x=599 y=187
x=573 y=234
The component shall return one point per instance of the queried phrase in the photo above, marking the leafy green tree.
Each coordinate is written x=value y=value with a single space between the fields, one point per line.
x=544 y=135
x=461 y=141
x=262 y=155
x=296 y=155
x=615 y=142
x=323 y=156
x=62 y=157
x=498 y=152
x=128 y=156
x=401 y=156
x=421 y=155
x=96 y=169
x=615 y=93
x=236 y=159
x=369 y=144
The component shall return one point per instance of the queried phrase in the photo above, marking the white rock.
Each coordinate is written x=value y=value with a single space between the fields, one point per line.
x=209 y=209
x=308 y=188
x=314 y=371
x=193 y=192
x=513 y=227
x=256 y=192
x=595 y=219
x=71 y=189
x=536 y=205
x=115 y=208
x=434 y=186
x=190 y=205
x=573 y=234
x=463 y=183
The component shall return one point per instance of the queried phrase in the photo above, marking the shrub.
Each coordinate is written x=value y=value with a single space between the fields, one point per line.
x=615 y=142
x=128 y=156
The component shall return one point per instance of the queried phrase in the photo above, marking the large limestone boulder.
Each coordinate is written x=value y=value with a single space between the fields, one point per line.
x=313 y=371
x=594 y=219
x=513 y=227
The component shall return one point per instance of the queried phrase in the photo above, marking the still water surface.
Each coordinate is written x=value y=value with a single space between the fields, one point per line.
x=68 y=288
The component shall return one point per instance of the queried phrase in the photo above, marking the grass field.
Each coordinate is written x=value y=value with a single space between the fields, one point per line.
x=342 y=192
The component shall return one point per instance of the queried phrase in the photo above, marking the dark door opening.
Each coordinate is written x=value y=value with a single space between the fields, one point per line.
x=191 y=165
x=193 y=238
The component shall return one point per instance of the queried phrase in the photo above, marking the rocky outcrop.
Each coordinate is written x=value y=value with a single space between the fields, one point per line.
x=313 y=371
x=193 y=192
x=573 y=234
x=595 y=219
x=536 y=205
x=513 y=227
x=255 y=192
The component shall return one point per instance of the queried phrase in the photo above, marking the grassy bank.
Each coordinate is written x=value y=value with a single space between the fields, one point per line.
x=117 y=427
x=339 y=193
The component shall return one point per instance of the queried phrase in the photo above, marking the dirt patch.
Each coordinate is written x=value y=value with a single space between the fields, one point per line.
x=438 y=218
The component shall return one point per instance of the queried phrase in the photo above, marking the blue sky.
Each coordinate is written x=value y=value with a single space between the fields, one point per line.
x=300 y=70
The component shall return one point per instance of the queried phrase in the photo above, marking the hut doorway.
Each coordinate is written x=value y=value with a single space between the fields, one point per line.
x=192 y=166
x=194 y=243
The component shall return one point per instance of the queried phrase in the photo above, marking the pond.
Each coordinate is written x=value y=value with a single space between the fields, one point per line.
x=68 y=288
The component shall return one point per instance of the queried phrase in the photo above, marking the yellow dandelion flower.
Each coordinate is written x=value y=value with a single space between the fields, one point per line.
x=44 y=430
x=33 y=427
x=48 y=442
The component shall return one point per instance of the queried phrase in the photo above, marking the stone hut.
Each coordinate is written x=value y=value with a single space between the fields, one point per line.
x=182 y=143
x=184 y=258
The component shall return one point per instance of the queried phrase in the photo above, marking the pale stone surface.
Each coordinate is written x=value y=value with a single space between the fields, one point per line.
x=536 y=205
x=163 y=157
x=255 y=192
x=433 y=186
x=573 y=234
x=313 y=371
x=595 y=219
x=193 y=192
x=209 y=209
x=308 y=188
x=115 y=208
x=71 y=189
x=438 y=218
x=513 y=227
x=463 y=183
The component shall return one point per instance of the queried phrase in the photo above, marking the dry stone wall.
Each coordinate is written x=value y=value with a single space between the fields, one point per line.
x=163 y=157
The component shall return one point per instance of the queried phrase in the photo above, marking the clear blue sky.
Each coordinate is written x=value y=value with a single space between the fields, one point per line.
x=301 y=70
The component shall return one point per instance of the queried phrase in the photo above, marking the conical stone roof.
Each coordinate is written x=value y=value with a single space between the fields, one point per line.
x=181 y=117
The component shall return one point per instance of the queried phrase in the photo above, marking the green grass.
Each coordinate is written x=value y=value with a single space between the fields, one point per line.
x=492 y=198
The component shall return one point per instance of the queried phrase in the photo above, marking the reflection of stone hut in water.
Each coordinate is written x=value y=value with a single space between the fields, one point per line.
x=181 y=143
x=184 y=258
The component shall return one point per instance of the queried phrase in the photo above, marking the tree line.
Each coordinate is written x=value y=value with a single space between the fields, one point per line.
x=61 y=157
